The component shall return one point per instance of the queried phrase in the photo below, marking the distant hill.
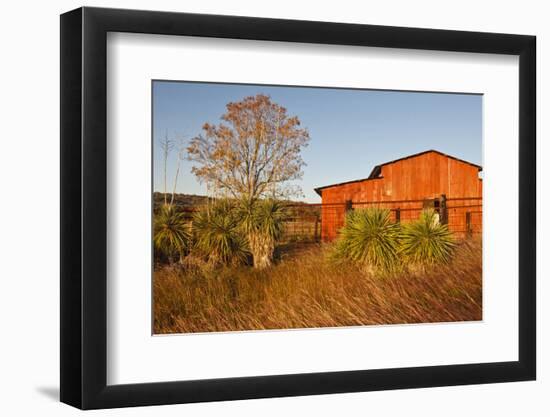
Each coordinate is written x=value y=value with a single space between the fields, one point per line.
x=193 y=201
x=184 y=201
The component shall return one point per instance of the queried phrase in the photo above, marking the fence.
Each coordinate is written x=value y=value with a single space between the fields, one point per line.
x=462 y=215
x=321 y=222
x=303 y=223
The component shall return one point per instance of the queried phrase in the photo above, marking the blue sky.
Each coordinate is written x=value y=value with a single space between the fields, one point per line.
x=350 y=130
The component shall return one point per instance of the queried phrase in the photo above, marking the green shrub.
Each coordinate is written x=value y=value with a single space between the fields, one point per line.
x=426 y=241
x=217 y=234
x=370 y=239
x=171 y=233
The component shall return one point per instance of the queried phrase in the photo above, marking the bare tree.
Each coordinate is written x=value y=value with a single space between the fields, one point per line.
x=254 y=152
x=181 y=155
x=166 y=145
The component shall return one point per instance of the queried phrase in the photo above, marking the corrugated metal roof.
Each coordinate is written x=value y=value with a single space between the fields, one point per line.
x=375 y=173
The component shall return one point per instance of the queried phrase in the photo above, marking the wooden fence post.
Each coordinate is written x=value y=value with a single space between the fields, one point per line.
x=469 y=223
x=398 y=215
x=443 y=215
x=348 y=206
x=315 y=235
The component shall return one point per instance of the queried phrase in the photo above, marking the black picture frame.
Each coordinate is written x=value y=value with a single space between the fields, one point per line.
x=84 y=208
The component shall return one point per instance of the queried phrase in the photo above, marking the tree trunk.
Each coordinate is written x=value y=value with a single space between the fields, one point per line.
x=262 y=260
x=175 y=183
x=262 y=248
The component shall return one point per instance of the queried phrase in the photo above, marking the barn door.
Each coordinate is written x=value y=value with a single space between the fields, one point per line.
x=439 y=205
x=430 y=203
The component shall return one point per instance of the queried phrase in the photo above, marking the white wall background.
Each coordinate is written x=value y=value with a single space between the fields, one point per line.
x=29 y=215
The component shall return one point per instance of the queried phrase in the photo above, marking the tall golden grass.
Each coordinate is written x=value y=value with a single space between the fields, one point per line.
x=308 y=291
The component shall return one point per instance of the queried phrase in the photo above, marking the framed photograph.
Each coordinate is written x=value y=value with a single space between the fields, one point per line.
x=259 y=208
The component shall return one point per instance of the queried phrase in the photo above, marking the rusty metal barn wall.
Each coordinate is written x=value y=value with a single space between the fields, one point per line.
x=409 y=182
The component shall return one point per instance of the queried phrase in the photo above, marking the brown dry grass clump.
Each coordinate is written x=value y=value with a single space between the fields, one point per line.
x=309 y=291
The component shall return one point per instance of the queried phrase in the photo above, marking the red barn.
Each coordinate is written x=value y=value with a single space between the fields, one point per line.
x=433 y=179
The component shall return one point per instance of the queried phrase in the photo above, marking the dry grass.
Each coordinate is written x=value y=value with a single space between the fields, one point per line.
x=309 y=291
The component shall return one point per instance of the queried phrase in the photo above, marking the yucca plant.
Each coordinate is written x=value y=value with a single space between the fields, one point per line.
x=217 y=234
x=370 y=239
x=262 y=221
x=171 y=233
x=426 y=241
